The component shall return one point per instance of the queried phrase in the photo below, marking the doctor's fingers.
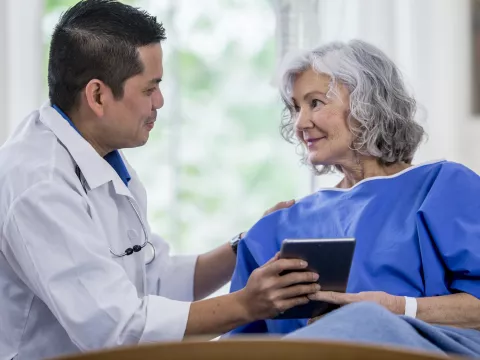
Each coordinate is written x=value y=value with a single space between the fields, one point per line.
x=275 y=258
x=280 y=205
x=297 y=290
x=278 y=266
x=283 y=305
x=297 y=277
x=334 y=297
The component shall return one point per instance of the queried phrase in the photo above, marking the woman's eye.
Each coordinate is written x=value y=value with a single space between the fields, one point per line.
x=294 y=110
x=316 y=102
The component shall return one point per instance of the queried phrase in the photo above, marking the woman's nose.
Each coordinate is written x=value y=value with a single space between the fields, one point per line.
x=303 y=121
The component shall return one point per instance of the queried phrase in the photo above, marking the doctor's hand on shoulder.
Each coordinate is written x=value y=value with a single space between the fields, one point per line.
x=279 y=206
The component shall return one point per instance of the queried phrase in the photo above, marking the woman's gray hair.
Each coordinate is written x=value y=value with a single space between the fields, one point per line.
x=381 y=112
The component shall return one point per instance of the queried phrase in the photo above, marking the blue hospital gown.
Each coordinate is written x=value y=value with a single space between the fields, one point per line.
x=417 y=232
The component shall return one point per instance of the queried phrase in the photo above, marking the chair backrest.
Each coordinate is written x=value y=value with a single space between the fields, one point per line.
x=259 y=348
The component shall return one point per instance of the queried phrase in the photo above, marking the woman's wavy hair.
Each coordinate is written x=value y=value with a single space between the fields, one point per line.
x=381 y=112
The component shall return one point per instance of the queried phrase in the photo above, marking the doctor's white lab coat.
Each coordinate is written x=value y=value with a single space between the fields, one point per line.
x=61 y=289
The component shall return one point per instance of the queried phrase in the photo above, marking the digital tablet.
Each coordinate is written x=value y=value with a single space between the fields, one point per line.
x=330 y=259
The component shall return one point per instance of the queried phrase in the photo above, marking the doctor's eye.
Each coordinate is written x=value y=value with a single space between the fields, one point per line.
x=150 y=91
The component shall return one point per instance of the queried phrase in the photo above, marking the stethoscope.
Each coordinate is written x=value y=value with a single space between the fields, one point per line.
x=135 y=248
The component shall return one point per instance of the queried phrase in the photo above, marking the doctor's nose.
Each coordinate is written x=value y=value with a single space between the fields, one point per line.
x=157 y=100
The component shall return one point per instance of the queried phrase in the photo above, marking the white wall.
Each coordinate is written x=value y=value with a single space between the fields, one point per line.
x=21 y=61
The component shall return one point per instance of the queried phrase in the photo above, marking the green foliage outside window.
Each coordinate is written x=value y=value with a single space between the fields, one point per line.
x=215 y=160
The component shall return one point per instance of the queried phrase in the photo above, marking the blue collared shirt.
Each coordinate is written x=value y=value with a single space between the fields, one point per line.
x=113 y=158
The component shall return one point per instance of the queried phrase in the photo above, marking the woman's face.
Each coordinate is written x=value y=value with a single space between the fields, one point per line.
x=321 y=122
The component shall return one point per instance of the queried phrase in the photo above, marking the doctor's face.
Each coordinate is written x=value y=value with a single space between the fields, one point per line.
x=321 y=121
x=131 y=118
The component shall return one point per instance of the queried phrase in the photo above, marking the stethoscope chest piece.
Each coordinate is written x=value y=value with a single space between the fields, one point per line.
x=149 y=253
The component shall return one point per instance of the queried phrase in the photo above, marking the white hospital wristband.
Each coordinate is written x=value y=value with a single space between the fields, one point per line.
x=410 y=307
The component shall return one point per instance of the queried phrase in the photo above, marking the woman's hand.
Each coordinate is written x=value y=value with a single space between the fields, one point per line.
x=396 y=304
x=268 y=293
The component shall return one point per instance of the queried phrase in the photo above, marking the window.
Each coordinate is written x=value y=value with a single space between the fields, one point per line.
x=215 y=160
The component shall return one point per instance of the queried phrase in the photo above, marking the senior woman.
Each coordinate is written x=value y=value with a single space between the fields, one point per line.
x=417 y=228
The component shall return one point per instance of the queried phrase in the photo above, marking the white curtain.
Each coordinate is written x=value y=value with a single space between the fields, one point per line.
x=3 y=72
x=21 y=61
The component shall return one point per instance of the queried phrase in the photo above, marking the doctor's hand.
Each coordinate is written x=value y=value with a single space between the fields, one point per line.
x=396 y=304
x=280 y=205
x=268 y=293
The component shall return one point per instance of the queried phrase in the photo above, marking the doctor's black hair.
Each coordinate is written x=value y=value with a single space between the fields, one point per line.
x=97 y=39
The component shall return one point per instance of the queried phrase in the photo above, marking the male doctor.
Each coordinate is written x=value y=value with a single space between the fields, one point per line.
x=79 y=267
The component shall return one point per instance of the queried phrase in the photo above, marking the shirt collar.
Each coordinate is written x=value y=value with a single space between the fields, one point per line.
x=95 y=169
x=113 y=158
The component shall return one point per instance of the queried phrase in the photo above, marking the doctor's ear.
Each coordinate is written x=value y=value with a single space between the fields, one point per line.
x=96 y=92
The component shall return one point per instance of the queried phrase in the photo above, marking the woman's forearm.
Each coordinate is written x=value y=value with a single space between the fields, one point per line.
x=460 y=310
